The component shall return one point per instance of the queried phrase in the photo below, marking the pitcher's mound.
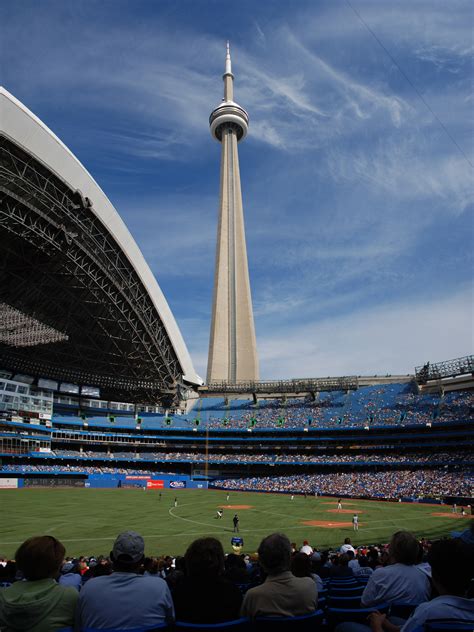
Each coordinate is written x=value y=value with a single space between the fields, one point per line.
x=441 y=514
x=325 y=524
x=349 y=511
x=236 y=506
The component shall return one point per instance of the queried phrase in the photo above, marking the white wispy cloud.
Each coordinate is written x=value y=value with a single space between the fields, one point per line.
x=373 y=341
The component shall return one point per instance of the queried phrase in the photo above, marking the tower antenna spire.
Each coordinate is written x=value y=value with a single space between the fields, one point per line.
x=228 y=76
x=232 y=346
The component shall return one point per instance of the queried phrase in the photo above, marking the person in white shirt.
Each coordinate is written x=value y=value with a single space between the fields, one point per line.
x=347 y=546
x=401 y=580
x=451 y=567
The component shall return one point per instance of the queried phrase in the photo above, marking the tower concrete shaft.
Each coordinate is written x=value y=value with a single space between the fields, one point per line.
x=232 y=347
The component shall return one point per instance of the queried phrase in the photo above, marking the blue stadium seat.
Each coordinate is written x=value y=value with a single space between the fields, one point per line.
x=303 y=623
x=353 y=615
x=345 y=591
x=237 y=625
x=344 y=602
x=448 y=625
x=156 y=628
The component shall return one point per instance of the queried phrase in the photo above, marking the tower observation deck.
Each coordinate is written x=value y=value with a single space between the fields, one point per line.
x=232 y=346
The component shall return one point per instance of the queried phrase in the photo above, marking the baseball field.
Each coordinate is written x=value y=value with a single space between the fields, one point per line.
x=87 y=520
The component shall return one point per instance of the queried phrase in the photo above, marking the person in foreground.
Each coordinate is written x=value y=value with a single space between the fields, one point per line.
x=125 y=599
x=204 y=595
x=38 y=604
x=282 y=594
x=401 y=581
x=452 y=565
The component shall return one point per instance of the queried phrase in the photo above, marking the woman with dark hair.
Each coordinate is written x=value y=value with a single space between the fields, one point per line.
x=38 y=604
x=204 y=595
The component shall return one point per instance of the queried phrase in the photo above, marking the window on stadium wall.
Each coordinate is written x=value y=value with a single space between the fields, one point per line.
x=54 y=481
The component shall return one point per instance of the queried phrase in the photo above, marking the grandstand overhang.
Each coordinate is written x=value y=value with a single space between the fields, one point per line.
x=83 y=306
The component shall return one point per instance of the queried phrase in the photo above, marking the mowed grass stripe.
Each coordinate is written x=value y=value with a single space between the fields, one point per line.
x=88 y=520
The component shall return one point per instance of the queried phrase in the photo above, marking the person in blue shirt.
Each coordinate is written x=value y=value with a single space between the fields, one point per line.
x=125 y=599
x=452 y=564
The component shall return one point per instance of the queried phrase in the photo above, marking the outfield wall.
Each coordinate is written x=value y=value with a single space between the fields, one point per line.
x=104 y=481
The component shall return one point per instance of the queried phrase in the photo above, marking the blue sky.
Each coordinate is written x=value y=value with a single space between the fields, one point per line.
x=356 y=174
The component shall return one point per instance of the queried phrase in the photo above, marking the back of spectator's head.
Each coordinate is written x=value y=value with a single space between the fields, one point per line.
x=452 y=564
x=40 y=557
x=344 y=559
x=301 y=565
x=69 y=567
x=205 y=558
x=347 y=540
x=128 y=552
x=404 y=548
x=234 y=561
x=274 y=553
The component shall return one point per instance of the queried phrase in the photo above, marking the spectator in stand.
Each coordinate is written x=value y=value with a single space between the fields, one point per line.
x=364 y=569
x=347 y=546
x=301 y=567
x=353 y=561
x=401 y=580
x=70 y=575
x=282 y=594
x=341 y=567
x=452 y=564
x=204 y=595
x=38 y=604
x=125 y=599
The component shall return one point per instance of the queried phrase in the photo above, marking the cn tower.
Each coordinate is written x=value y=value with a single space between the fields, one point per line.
x=232 y=345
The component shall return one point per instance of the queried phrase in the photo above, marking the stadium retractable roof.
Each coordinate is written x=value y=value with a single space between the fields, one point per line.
x=78 y=302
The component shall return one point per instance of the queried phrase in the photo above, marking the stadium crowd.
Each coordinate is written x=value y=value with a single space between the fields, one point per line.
x=374 y=406
x=459 y=457
x=390 y=484
x=42 y=590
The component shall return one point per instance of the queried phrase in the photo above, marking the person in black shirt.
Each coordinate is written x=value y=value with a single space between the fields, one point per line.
x=235 y=520
x=204 y=595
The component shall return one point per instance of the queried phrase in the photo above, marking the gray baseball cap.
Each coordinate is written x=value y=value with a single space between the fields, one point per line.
x=128 y=547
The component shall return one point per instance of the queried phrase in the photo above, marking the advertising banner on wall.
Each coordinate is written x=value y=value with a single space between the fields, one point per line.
x=155 y=484
x=178 y=484
x=8 y=483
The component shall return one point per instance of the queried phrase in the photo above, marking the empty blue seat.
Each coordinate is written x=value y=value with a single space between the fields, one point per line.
x=346 y=591
x=302 y=623
x=237 y=625
x=353 y=615
x=344 y=602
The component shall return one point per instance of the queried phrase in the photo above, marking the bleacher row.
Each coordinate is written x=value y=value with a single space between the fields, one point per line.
x=387 y=405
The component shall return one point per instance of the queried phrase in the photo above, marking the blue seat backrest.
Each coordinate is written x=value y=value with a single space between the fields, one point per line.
x=356 y=615
x=302 y=623
x=446 y=625
x=156 y=628
x=237 y=625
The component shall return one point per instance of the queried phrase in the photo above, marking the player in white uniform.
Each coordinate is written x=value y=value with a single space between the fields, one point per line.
x=355 y=522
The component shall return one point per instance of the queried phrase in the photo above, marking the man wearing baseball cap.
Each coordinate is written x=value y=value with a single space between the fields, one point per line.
x=125 y=599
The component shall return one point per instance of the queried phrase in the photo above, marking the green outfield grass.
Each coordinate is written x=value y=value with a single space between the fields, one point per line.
x=87 y=520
